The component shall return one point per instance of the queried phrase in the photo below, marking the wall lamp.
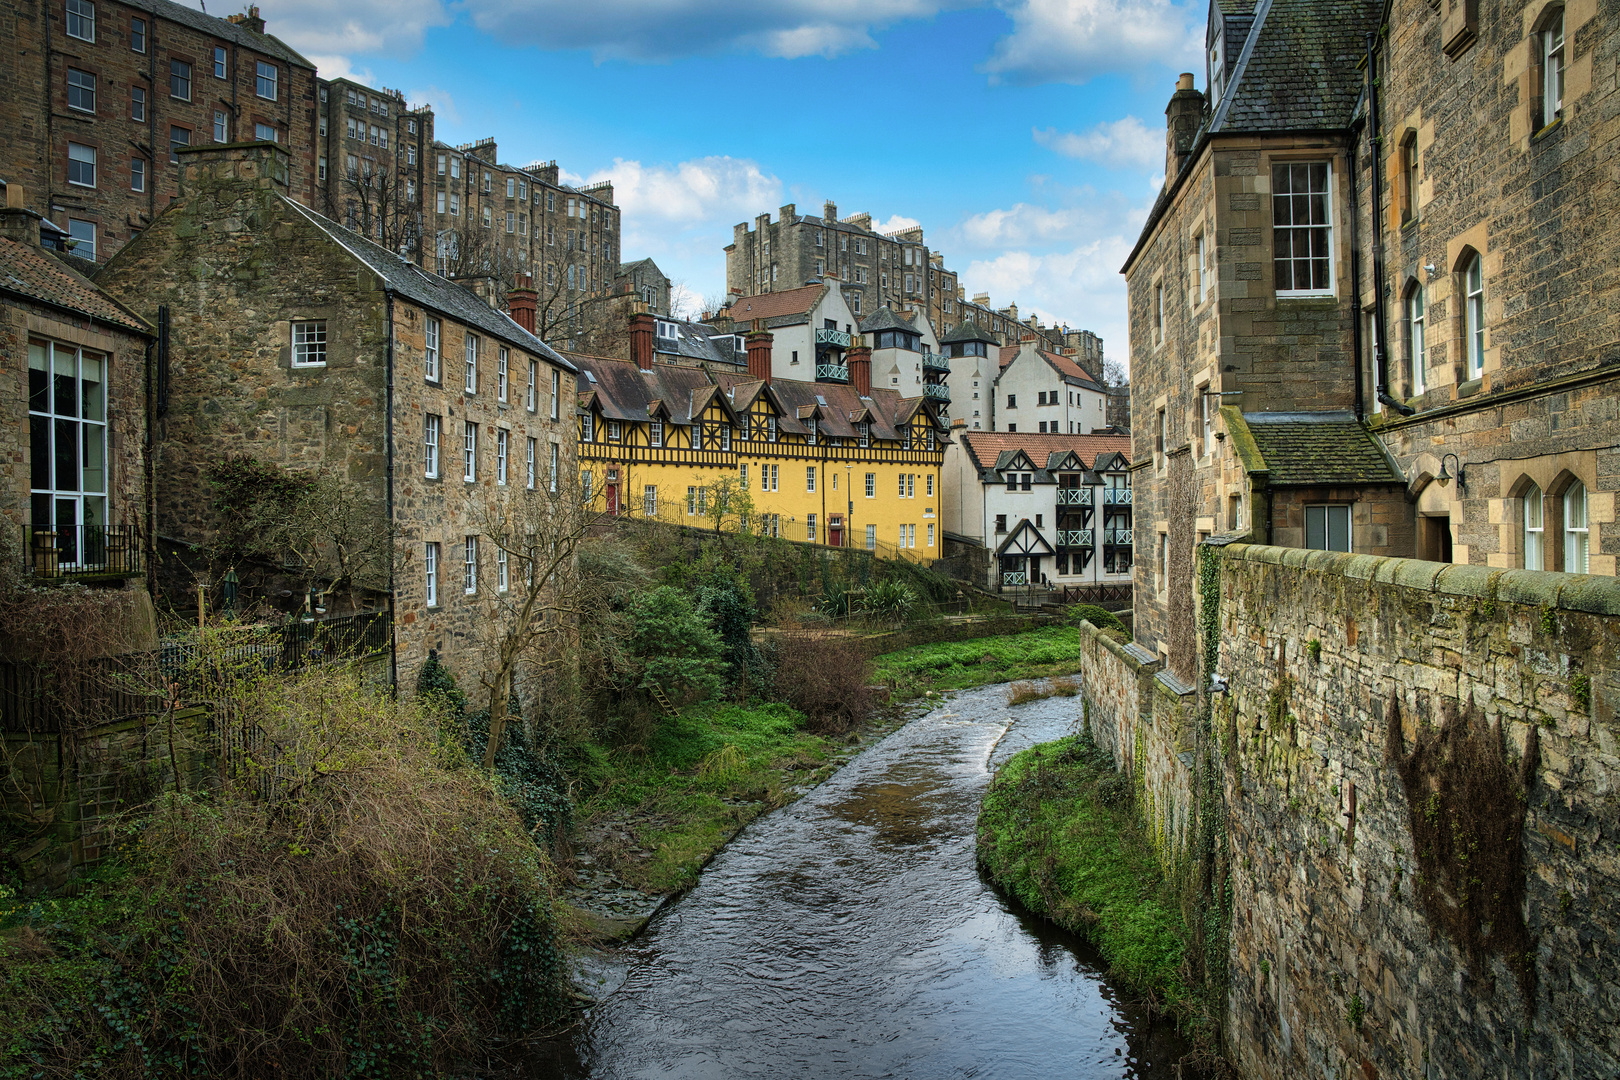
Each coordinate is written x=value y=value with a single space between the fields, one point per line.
x=1445 y=477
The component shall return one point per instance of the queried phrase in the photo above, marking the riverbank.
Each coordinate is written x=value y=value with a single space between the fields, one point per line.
x=1057 y=833
x=924 y=670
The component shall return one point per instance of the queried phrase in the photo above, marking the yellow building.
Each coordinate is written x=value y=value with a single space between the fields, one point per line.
x=839 y=464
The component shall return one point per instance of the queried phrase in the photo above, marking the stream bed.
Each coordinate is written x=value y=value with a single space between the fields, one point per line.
x=850 y=935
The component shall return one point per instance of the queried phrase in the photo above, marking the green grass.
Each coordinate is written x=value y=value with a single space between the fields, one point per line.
x=1057 y=833
x=958 y=665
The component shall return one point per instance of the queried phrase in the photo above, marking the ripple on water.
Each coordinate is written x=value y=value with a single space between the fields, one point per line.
x=849 y=935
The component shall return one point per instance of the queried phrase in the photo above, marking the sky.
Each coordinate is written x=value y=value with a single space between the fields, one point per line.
x=1026 y=136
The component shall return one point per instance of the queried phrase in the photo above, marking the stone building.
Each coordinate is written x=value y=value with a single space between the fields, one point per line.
x=76 y=502
x=643 y=280
x=100 y=93
x=371 y=167
x=307 y=345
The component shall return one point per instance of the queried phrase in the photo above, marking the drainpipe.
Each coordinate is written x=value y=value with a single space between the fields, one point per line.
x=1380 y=341
x=149 y=448
x=1352 y=145
x=388 y=428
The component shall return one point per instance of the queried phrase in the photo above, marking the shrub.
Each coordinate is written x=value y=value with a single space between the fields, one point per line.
x=672 y=644
x=889 y=601
x=1021 y=692
x=1096 y=616
x=826 y=678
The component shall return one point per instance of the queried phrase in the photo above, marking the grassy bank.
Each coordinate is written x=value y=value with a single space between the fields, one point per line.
x=959 y=665
x=1058 y=833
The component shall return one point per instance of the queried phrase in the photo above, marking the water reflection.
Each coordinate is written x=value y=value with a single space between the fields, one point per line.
x=849 y=935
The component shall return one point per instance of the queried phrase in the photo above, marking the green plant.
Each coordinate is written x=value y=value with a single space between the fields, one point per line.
x=1549 y=620
x=1580 y=692
x=1355 y=1011
x=672 y=645
x=888 y=601
x=1314 y=647
x=1101 y=618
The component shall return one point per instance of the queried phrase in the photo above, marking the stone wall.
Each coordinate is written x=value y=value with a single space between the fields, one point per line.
x=1335 y=967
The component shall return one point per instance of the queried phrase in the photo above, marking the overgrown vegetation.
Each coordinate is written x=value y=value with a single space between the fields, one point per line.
x=1101 y=618
x=1059 y=833
x=1020 y=693
x=958 y=665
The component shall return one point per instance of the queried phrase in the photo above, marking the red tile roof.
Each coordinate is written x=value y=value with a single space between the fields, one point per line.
x=774 y=305
x=39 y=275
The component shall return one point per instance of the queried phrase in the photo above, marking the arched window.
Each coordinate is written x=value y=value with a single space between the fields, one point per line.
x=1575 y=530
x=1473 y=275
x=1534 y=533
x=1415 y=340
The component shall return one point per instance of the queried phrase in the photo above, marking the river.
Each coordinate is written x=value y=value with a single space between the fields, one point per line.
x=849 y=935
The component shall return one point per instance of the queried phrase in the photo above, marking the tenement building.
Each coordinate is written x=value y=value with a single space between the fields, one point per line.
x=1370 y=310
x=309 y=347
x=101 y=93
x=371 y=166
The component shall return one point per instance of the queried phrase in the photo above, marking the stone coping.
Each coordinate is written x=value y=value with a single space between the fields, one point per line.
x=1129 y=652
x=1591 y=594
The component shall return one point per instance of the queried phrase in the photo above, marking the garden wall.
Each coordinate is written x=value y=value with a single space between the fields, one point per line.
x=1487 y=946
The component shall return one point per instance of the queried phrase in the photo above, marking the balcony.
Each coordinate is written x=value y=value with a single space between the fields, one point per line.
x=1117 y=496
x=1080 y=496
x=936 y=362
x=79 y=551
x=1074 y=538
x=831 y=372
x=1014 y=577
x=936 y=392
x=836 y=338
x=1117 y=537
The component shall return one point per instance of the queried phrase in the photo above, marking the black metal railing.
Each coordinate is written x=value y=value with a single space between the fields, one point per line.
x=69 y=551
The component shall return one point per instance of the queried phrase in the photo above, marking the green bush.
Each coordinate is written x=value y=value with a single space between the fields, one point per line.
x=673 y=646
x=1096 y=616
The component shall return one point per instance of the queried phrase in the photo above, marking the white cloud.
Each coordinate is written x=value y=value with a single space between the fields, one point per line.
x=702 y=189
x=1119 y=144
x=1089 y=215
x=1080 y=286
x=354 y=26
x=442 y=103
x=664 y=29
x=895 y=223
x=1071 y=41
x=340 y=67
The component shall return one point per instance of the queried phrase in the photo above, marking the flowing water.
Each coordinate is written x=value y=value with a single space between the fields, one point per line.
x=849 y=935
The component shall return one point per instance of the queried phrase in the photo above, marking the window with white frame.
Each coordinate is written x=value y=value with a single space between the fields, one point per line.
x=1206 y=408
x=501 y=375
x=1302 y=228
x=930 y=536
x=430 y=349
x=1415 y=340
x=649 y=501
x=1552 y=68
x=871 y=538
x=431 y=430
x=469 y=451
x=471 y=382
x=1474 y=315
x=222 y=131
x=532 y=444
x=469 y=575
x=503 y=439
x=430 y=568
x=81 y=90
x=809 y=478
x=309 y=343
x=1535 y=533
x=613 y=431
x=137 y=35
x=1201 y=267
x=587 y=428
x=532 y=400
x=1577 y=538
x=81 y=165
x=556 y=392
x=83 y=235
x=655 y=433
x=264 y=133
x=137 y=103
x=810 y=528
x=551 y=481
x=871 y=485
x=180 y=80
x=67 y=419
x=81 y=20
x=1327 y=528
x=267 y=80
x=810 y=431
x=137 y=174
x=503 y=580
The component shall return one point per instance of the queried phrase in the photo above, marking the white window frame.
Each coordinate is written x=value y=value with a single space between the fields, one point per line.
x=655 y=433
x=1474 y=314
x=809 y=478
x=81 y=20
x=871 y=485
x=503 y=443
x=469 y=451
x=1415 y=328
x=532 y=444
x=430 y=349
x=501 y=381
x=1577 y=530
x=432 y=432
x=86 y=84
x=308 y=343
x=430 y=572
x=503 y=578
x=556 y=454
x=1552 y=69
x=556 y=391
x=533 y=400
x=266 y=73
x=470 y=383
x=871 y=537
x=469 y=565
x=1324 y=227
x=1534 y=523
x=84 y=157
x=649 y=501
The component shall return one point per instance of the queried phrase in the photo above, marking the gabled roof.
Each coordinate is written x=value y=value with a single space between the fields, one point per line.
x=221 y=28
x=430 y=290
x=625 y=392
x=967 y=331
x=1025 y=539
x=1311 y=449
x=776 y=305
x=886 y=318
x=991 y=450
x=1066 y=367
x=43 y=276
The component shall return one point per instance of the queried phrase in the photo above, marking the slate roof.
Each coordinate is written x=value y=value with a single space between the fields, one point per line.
x=700 y=341
x=1298 y=69
x=1069 y=369
x=41 y=275
x=886 y=318
x=1320 y=448
x=993 y=451
x=776 y=305
x=221 y=28
x=966 y=331
x=430 y=290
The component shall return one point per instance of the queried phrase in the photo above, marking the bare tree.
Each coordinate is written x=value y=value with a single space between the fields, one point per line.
x=372 y=202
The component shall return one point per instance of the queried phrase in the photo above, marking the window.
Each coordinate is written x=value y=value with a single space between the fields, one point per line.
x=1158 y=313
x=1001 y=523
x=81 y=20
x=430 y=567
x=438 y=203
x=1301 y=229
x=551 y=481
x=81 y=90
x=1163 y=577
x=655 y=433
x=455 y=168
x=531 y=400
x=178 y=137
x=469 y=451
x=902 y=478
x=930 y=536
x=500 y=375
x=219 y=62
x=1327 y=528
x=1012 y=401
x=137 y=35
x=83 y=234
x=871 y=538
x=431 y=427
x=1552 y=69
x=180 y=80
x=455 y=204
x=649 y=501
x=81 y=165
x=810 y=527
x=556 y=380
x=530 y=462
x=613 y=431
x=810 y=431
x=1205 y=409
x=469 y=579
x=430 y=350
x=221 y=132
x=1474 y=315
x=1414 y=338
x=587 y=429
x=1534 y=532
x=871 y=485
x=471 y=375
x=503 y=580
x=810 y=478
x=67 y=407
x=137 y=174
x=770 y=428
x=264 y=133
x=1201 y=267
x=309 y=343
x=1409 y=178
x=930 y=485
x=137 y=103
x=1163 y=438
x=511 y=221
x=1576 y=536
x=864 y=433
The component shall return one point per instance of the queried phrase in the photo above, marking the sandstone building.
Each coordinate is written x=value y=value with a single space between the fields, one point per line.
x=101 y=93
x=307 y=345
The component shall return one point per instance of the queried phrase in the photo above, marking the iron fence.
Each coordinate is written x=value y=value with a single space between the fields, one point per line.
x=70 y=551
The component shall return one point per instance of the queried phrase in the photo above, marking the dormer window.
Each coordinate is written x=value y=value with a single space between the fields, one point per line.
x=666 y=330
x=864 y=430
x=1217 y=67
x=738 y=344
x=810 y=431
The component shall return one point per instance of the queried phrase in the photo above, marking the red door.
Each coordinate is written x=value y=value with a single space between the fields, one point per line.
x=835 y=531
x=612 y=499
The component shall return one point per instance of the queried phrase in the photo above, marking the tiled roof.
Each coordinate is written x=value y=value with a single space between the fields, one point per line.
x=40 y=275
x=987 y=447
x=699 y=341
x=624 y=392
x=1073 y=372
x=1300 y=69
x=966 y=331
x=1321 y=448
x=220 y=28
x=430 y=290
x=886 y=318
x=775 y=305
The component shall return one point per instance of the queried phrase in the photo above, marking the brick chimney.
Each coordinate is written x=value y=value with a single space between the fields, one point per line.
x=522 y=301
x=759 y=353
x=860 y=369
x=249 y=19
x=642 y=327
x=1181 y=118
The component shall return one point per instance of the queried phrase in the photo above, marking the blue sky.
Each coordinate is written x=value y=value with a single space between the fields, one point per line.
x=1026 y=136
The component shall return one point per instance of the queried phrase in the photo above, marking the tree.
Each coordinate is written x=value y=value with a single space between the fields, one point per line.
x=672 y=645
x=729 y=503
x=371 y=200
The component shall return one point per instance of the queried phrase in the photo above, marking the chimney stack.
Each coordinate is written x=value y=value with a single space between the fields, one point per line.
x=860 y=369
x=1181 y=120
x=759 y=352
x=830 y=211
x=249 y=19
x=521 y=302
x=642 y=326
